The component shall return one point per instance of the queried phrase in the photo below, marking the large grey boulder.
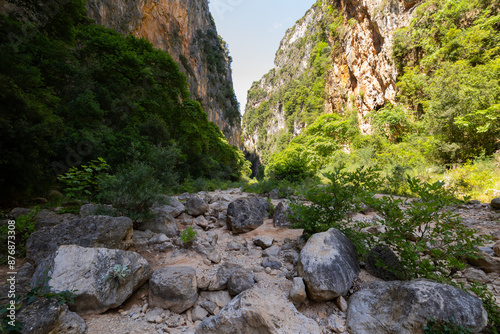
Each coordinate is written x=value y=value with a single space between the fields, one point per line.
x=196 y=206
x=91 y=231
x=258 y=311
x=173 y=288
x=404 y=307
x=47 y=218
x=173 y=207
x=280 y=215
x=163 y=223
x=46 y=316
x=89 y=271
x=246 y=214
x=328 y=264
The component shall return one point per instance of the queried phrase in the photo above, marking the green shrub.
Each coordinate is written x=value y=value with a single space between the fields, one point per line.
x=132 y=190
x=331 y=203
x=82 y=182
x=188 y=236
x=445 y=327
x=24 y=227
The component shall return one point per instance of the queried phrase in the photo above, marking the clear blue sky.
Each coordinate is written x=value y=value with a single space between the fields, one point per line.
x=253 y=30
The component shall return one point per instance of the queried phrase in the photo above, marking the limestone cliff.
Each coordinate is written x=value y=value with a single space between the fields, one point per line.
x=187 y=31
x=335 y=59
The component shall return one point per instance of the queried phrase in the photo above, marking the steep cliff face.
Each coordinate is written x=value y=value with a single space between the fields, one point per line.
x=336 y=59
x=186 y=30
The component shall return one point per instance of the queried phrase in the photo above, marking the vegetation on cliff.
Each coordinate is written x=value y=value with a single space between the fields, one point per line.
x=72 y=91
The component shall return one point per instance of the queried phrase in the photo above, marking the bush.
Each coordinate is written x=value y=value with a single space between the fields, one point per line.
x=132 y=190
x=82 y=182
x=445 y=327
x=24 y=227
x=188 y=236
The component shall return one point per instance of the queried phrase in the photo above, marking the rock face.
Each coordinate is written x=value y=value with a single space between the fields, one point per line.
x=173 y=288
x=89 y=271
x=91 y=231
x=185 y=29
x=258 y=311
x=46 y=316
x=328 y=264
x=404 y=307
x=359 y=71
x=246 y=214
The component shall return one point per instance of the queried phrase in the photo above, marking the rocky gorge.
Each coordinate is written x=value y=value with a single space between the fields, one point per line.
x=244 y=271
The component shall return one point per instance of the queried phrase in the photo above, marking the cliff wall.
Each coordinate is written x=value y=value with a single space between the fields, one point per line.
x=186 y=30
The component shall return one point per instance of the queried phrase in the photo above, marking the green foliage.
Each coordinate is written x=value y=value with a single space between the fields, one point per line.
x=188 y=236
x=489 y=302
x=82 y=182
x=330 y=204
x=94 y=93
x=394 y=122
x=25 y=226
x=117 y=274
x=132 y=190
x=445 y=327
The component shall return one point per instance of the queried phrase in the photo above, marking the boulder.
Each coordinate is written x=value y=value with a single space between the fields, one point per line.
x=404 y=307
x=240 y=281
x=89 y=272
x=173 y=208
x=87 y=210
x=173 y=288
x=258 y=311
x=196 y=206
x=487 y=263
x=219 y=282
x=329 y=264
x=46 y=316
x=495 y=203
x=163 y=223
x=219 y=298
x=16 y=212
x=496 y=248
x=47 y=218
x=280 y=215
x=383 y=263
x=92 y=231
x=246 y=214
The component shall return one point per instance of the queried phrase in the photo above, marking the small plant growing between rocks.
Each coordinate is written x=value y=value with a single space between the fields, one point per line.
x=188 y=236
x=442 y=327
x=117 y=274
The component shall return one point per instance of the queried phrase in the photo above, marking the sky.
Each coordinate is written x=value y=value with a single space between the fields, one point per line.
x=253 y=30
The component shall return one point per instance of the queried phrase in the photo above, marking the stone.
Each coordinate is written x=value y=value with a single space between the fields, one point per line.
x=202 y=280
x=199 y=313
x=258 y=310
x=495 y=203
x=476 y=275
x=219 y=298
x=341 y=303
x=290 y=256
x=336 y=324
x=271 y=262
x=404 y=307
x=173 y=288
x=196 y=206
x=153 y=314
x=271 y=251
x=202 y=222
x=209 y=306
x=383 y=263
x=47 y=218
x=87 y=210
x=215 y=256
x=92 y=231
x=163 y=223
x=246 y=214
x=46 y=316
x=280 y=215
x=225 y=271
x=240 y=281
x=263 y=241
x=298 y=291
x=487 y=263
x=274 y=194
x=16 y=212
x=88 y=270
x=173 y=207
x=496 y=249
x=329 y=264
